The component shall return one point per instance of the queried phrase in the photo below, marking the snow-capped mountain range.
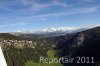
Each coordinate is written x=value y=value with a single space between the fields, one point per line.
x=60 y=29
x=53 y=30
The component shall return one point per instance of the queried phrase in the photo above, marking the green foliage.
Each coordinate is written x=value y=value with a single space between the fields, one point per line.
x=30 y=63
x=51 y=53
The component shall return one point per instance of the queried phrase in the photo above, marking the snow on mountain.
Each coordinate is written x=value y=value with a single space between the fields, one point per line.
x=57 y=30
x=63 y=29
x=53 y=29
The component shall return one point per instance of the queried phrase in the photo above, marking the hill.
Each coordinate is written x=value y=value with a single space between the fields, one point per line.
x=81 y=44
x=7 y=36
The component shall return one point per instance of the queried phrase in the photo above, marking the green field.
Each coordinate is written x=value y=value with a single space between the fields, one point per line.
x=30 y=63
x=51 y=54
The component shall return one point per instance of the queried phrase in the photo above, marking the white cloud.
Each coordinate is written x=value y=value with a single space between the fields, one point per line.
x=86 y=10
x=26 y=2
x=34 y=5
x=72 y=12
x=56 y=2
x=88 y=1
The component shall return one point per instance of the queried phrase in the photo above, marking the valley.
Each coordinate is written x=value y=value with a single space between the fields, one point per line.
x=29 y=50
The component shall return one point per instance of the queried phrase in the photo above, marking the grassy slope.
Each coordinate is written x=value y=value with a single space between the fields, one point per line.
x=51 y=54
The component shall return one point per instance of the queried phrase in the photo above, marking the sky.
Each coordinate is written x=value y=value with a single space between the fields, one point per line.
x=23 y=15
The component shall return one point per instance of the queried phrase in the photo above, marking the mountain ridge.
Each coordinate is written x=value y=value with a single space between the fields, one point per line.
x=52 y=31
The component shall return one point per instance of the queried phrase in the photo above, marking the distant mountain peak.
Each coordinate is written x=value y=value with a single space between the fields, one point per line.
x=53 y=30
x=59 y=29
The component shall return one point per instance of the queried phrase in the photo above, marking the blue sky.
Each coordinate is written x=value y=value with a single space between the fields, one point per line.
x=39 y=14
